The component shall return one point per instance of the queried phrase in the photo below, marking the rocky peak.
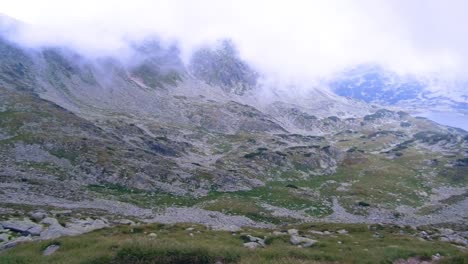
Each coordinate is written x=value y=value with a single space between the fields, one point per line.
x=222 y=66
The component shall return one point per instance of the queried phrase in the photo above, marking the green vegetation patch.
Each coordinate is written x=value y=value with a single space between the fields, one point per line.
x=158 y=243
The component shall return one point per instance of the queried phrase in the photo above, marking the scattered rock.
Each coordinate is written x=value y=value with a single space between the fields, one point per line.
x=152 y=235
x=303 y=241
x=293 y=232
x=190 y=229
x=50 y=250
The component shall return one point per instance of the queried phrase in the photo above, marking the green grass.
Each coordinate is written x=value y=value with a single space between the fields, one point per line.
x=140 y=197
x=64 y=154
x=238 y=205
x=174 y=244
x=374 y=180
x=174 y=252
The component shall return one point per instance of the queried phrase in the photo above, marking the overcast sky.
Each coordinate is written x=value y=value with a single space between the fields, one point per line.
x=299 y=39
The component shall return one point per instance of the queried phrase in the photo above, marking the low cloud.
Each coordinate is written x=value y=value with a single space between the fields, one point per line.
x=304 y=41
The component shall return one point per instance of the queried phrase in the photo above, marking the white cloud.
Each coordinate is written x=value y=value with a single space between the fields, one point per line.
x=294 y=39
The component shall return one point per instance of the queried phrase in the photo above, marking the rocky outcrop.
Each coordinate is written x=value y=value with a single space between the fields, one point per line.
x=25 y=226
x=17 y=231
x=75 y=227
x=224 y=68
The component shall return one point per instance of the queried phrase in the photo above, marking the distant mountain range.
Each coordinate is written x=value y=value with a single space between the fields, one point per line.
x=375 y=84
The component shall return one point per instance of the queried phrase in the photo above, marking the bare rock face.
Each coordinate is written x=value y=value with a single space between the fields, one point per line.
x=224 y=68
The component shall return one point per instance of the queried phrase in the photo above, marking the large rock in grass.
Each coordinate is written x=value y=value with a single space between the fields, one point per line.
x=252 y=245
x=50 y=250
x=55 y=229
x=15 y=242
x=258 y=240
x=25 y=226
x=76 y=227
x=302 y=241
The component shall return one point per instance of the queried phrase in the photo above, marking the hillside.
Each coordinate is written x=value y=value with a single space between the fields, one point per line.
x=98 y=142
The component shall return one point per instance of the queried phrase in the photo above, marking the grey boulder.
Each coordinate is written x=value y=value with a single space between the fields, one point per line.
x=38 y=216
x=25 y=226
x=76 y=227
x=258 y=240
x=15 y=242
x=302 y=241
x=252 y=245
x=50 y=250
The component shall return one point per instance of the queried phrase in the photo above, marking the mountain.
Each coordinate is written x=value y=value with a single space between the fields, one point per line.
x=375 y=84
x=222 y=67
x=153 y=139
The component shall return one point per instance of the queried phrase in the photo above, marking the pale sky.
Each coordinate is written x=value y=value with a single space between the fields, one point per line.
x=294 y=39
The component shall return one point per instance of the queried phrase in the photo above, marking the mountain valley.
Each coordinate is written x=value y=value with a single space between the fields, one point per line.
x=100 y=142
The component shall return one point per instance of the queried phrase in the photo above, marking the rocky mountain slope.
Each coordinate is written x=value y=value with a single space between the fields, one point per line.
x=152 y=139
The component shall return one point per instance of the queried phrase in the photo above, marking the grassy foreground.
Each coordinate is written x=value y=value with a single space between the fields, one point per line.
x=157 y=243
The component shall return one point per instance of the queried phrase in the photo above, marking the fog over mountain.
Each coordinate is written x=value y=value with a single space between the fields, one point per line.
x=298 y=42
x=233 y=131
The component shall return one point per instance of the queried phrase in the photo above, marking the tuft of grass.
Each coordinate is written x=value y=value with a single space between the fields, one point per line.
x=174 y=253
